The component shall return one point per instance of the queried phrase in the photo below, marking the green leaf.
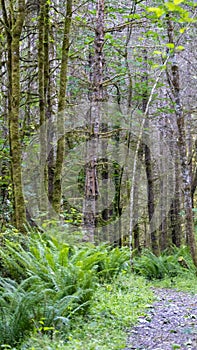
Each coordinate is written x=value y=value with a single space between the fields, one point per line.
x=154 y=66
x=157 y=10
x=177 y=2
x=132 y=16
x=185 y=17
x=175 y=346
x=180 y=48
x=108 y=36
x=78 y=18
x=170 y=45
x=157 y=52
x=172 y=7
x=182 y=30
x=48 y=328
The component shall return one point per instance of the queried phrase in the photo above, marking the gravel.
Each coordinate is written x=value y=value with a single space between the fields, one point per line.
x=171 y=323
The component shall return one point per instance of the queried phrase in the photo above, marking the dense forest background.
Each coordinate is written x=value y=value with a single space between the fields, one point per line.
x=98 y=120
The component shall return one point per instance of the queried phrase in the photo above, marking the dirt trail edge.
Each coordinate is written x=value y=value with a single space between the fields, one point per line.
x=171 y=323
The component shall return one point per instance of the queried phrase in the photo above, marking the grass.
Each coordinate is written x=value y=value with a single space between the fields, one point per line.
x=185 y=283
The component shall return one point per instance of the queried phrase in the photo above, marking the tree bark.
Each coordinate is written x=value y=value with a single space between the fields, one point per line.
x=91 y=180
x=149 y=168
x=15 y=146
x=136 y=229
x=57 y=190
x=42 y=107
x=194 y=178
x=176 y=230
x=182 y=146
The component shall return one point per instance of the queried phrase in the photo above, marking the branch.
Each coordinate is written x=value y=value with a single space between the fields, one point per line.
x=122 y=26
x=106 y=82
x=5 y=21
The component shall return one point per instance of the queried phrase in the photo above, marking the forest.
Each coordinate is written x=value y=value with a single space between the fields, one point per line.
x=98 y=166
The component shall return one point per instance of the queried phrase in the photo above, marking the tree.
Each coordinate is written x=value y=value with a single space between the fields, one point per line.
x=14 y=25
x=182 y=146
x=95 y=120
x=58 y=56
x=57 y=193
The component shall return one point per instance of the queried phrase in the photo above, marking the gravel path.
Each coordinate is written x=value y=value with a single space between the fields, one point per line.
x=170 y=324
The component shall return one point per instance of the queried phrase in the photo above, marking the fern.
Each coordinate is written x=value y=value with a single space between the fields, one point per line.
x=153 y=267
x=18 y=308
x=50 y=281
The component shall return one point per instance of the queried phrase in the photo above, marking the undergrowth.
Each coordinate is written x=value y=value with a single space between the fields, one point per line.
x=171 y=263
x=174 y=268
x=43 y=279
x=57 y=296
x=115 y=307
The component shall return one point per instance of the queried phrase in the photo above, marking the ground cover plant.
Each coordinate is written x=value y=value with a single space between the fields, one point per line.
x=174 y=268
x=49 y=287
x=115 y=307
x=170 y=263
x=57 y=296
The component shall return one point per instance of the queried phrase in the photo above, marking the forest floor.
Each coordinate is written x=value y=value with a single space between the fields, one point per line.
x=171 y=323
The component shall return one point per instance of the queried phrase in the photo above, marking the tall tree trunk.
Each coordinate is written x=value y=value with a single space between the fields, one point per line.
x=48 y=104
x=49 y=92
x=146 y=103
x=176 y=230
x=182 y=146
x=163 y=237
x=91 y=180
x=149 y=167
x=15 y=146
x=42 y=105
x=57 y=190
x=151 y=199
x=8 y=28
x=194 y=177
x=136 y=230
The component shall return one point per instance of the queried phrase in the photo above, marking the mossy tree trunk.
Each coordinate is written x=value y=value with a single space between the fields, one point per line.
x=8 y=28
x=15 y=146
x=91 y=179
x=43 y=77
x=57 y=190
